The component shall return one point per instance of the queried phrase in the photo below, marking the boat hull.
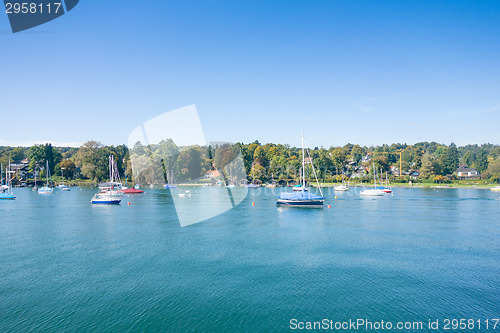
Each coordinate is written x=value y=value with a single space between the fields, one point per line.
x=105 y=202
x=341 y=188
x=45 y=190
x=372 y=193
x=300 y=203
x=132 y=191
x=7 y=196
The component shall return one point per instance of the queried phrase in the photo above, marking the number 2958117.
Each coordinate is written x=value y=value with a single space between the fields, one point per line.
x=33 y=8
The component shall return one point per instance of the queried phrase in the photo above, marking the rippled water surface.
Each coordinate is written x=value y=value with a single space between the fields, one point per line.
x=420 y=254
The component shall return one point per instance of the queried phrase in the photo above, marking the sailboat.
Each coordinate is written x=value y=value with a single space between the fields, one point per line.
x=114 y=183
x=302 y=198
x=2 y=186
x=46 y=189
x=252 y=185
x=6 y=190
x=386 y=188
x=230 y=185
x=170 y=181
x=111 y=192
x=63 y=186
x=373 y=192
x=35 y=188
x=343 y=186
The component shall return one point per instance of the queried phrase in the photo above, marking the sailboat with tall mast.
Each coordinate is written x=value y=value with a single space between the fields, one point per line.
x=252 y=184
x=46 y=189
x=343 y=186
x=303 y=198
x=170 y=180
x=6 y=190
x=35 y=188
x=373 y=192
x=114 y=183
x=111 y=192
x=63 y=186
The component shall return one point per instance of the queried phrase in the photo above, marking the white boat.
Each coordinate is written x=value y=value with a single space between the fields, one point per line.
x=343 y=186
x=496 y=188
x=105 y=198
x=46 y=189
x=111 y=192
x=252 y=184
x=302 y=198
x=6 y=189
x=373 y=192
x=114 y=183
x=63 y=186
x=114 y=186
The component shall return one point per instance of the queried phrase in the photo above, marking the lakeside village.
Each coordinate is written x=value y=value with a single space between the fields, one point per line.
x=421 y=164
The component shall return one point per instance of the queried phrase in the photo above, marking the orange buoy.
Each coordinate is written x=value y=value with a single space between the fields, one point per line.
x=335 y=197
x=253 y=203
x=128 y=203
x=329 y=206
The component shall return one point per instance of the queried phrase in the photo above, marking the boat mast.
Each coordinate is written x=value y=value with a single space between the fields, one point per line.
x=1 y=169
x=9 y=184
x=303 y=165
x=253 y=173
x=47 y=174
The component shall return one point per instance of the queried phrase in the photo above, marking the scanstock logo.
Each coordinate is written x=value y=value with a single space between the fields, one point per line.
x=26 y=14
x=171 y=148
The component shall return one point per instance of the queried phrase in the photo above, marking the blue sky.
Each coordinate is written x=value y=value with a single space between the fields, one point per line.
x=367 y=72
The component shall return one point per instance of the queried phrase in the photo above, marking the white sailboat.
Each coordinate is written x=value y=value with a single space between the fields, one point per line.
x=114 y=183
x=111 y=192
x=46 y=189
x=252 y=184
x=373 y=192
x=343 y=186
x=63 y=186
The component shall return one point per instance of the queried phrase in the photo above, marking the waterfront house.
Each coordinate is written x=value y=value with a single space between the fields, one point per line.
x=212 y=174
x=464 y=172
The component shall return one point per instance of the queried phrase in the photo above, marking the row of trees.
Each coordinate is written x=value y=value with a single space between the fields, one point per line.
x=265 y=161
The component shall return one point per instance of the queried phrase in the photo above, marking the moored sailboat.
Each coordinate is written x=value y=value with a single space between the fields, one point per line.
x=302 y=198
x=343 y=186
x=373 y=192
x=46 y=189
x=6 y=190
x=252 y=184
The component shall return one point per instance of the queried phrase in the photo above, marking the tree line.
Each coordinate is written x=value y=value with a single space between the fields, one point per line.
x=265 y=162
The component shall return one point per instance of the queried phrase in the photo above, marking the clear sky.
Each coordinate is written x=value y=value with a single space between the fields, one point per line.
x=367 y=72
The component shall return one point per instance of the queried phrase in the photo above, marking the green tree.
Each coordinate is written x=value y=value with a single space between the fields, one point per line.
x=93 y=160
x=68 y=168
x=481 y=162
x=430 y=166
x=450 y=159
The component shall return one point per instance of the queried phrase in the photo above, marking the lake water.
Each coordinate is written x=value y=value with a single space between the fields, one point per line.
x=68 y=266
